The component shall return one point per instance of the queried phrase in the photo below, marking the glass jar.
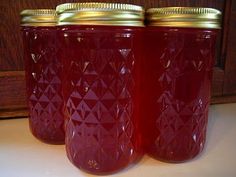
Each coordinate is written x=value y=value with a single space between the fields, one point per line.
x=101 y=50
x=43 y=75
x=180 y=52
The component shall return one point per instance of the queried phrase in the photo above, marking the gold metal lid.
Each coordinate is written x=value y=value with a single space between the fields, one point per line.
x=95 y=13
x=38 y=17
x=190 y=17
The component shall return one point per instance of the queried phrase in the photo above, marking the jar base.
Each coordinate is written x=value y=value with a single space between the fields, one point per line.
x=124 y=167
x=51 y=141
x=174 y=161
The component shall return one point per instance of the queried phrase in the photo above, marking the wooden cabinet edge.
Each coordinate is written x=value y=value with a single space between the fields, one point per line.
x=13 y=113
x=223 y=99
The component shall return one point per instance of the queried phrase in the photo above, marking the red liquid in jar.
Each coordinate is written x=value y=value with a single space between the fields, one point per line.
x=43 y=84
x=177 y=83
x=100 y=90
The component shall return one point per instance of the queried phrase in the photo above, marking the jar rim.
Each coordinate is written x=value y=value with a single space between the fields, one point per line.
x=38 y=17
x=97 y=13
x=196 y=17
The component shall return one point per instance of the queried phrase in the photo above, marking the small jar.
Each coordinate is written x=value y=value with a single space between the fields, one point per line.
x=43 y=75
x=180 y=52
x=101 y=50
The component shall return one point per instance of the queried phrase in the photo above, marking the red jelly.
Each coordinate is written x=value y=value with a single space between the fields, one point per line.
x=101 y=66
x=43 y=75
x=177 y=77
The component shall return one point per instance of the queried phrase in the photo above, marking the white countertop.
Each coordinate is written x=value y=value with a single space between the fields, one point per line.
x=21 y=155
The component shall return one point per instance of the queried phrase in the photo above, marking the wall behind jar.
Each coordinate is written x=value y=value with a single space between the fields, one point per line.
x=12 y=83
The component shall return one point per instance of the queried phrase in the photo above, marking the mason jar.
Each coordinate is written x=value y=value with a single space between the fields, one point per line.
x=101 y=49
x=43 y=75
x=180 y=52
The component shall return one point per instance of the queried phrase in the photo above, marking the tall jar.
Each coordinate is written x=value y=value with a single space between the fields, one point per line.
x=43 y=75
x=180 y=52
x=101 y=51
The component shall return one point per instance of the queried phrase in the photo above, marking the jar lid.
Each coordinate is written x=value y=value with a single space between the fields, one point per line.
x=94 y=13
x=193 y=17
x=38 y=17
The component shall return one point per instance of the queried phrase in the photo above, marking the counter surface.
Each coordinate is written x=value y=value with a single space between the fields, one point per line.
x=21 y=155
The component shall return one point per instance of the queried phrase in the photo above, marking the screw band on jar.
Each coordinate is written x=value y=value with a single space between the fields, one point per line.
x=111 y=14
x=38 y=17
x=193 y=17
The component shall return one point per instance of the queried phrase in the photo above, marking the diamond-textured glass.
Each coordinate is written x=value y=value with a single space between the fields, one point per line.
x=100 y=89
x=177 y=76
x=43 y=80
